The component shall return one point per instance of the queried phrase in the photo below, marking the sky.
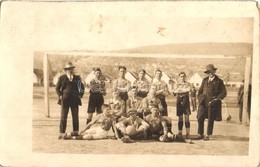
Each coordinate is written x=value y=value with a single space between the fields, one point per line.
x=104 y=29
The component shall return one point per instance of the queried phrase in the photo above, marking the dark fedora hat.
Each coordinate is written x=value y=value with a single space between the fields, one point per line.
x=69 y=65
x=209 y=68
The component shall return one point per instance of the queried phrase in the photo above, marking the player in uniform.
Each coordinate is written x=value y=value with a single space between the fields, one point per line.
x=151 y=101
x=160 y=127
x=96 y=129
x=181 y=90
x=135 y=102
x=162 y=90
x=132 y=128
x=121 y=84
x=97 y=91
x=142 y=84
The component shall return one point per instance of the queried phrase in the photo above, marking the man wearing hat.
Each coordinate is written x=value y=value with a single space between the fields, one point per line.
x=211 y=92
x=70 y=90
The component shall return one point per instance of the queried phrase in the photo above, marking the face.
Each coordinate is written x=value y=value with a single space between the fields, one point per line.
x=158 y=75
x=70 y=70
x=155 y=112
x=211 y=73
x=141 y=74
x=182 y=77
x=106 y=111
x=97 y=74
x=122 y=72
x=133 y=115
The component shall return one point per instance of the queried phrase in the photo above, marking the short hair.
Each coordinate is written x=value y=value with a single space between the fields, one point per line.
x=106 y=106
x=182 y=73
x=142 y=70
x=123 y=67
x=96 y=69
x=158 y=70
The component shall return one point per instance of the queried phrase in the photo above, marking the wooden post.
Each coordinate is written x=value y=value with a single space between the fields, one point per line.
x=46 y=84
x=246 y=89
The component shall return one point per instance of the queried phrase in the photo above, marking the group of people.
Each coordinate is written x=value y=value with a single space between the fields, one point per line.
x=139 y=111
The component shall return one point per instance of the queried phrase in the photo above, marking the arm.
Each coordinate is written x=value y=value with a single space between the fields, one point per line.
x=103 y=89
x=58 y=87
x=121 y=110
x=81 y=88
x=164 y=90
x=122 y=126
x=90 y=124
x=222 y=91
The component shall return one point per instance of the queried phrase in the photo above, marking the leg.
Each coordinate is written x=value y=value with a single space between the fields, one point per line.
x=63 y=120
x=89 y=117
x=91 y=107
x=180 y=124
x=210 y=122
x=201 y=120
x=240 y=112
x=75 y=117
x=187 y=125
x=165 y=111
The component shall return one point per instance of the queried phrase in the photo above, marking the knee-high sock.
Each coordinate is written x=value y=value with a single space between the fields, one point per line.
x=180 y=125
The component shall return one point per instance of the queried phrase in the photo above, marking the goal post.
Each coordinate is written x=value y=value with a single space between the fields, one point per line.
x=46 y=84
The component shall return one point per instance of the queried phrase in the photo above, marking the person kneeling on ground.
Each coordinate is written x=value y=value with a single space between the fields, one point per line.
x=96 y=129
x=132 y=128
x=160 y=126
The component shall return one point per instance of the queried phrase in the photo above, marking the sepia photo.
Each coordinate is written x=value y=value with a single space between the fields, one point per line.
x=131 y=84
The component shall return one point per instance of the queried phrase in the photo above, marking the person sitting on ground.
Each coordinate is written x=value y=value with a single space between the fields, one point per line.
x=132 y=128
x=151 y=101
x=159 y=126
x=135 y=102
x=96 y=129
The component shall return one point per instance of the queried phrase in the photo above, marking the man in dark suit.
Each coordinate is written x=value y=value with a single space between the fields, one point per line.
x=70 y=90
x=211 y=92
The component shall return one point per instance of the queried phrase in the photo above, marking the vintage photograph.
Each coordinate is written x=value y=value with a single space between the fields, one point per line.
x=174 y=98
x=129 y=84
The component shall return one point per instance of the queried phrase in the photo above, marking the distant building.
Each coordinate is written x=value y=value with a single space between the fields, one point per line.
x=195 y=79
x=56 y=78
x=131 y=77
x=37 y=77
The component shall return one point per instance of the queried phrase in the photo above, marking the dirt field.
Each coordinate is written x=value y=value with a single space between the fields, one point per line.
x=230 y=138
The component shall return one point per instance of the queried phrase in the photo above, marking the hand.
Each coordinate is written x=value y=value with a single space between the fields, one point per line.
x=61 y=97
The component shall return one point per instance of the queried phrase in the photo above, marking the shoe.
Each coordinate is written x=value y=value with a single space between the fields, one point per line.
x=61 y=136
x=66 y=137
x=229 y=118
x=206 y=138
x=200 y=137
x=179 y=138
x=187 y=136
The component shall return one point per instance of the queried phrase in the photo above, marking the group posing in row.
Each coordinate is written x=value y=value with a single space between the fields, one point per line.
x=138 y=111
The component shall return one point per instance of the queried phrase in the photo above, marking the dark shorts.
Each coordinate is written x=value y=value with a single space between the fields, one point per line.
x=123 y=95
x=142 y=94
x=183 y=106
x=96 y=100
